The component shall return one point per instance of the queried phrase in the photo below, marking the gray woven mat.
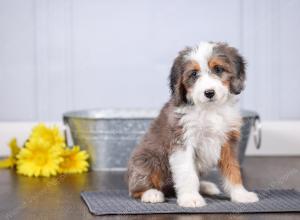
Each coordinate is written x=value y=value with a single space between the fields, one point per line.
x=118 y=202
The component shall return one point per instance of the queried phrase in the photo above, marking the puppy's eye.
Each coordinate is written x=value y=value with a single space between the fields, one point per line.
x=194 y=75
x=219 y=69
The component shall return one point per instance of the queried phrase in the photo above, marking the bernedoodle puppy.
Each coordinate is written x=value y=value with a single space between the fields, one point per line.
x=196 y=130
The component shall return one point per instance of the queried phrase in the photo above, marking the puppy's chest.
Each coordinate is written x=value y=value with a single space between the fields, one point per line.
x=205 y=133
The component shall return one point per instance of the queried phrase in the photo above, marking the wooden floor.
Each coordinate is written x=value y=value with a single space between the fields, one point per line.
x=58 y=198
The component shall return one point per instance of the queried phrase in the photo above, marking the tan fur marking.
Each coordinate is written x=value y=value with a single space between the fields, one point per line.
x=196 y=65
x=137 y=195
x=234 y=136
x=226 y=83
x=156 y=180
x=215 y=61
x=228 y=163
x=192 y=65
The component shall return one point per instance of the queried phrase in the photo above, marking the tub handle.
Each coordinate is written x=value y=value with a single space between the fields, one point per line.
x=257 y=131
x=68 y=135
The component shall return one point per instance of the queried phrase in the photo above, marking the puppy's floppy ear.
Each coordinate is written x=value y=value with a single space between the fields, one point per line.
x=180 y=93
x=237 y=82
x=177 y=89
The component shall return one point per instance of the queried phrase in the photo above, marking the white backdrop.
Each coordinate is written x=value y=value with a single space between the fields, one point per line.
x=58 y=55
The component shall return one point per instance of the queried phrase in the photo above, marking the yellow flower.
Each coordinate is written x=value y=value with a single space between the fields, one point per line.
x=39 y=158
x=45 y=154
x=7 y=162
x=51 y=135
x=10 y=162
x=14 y=148
x=75 y=161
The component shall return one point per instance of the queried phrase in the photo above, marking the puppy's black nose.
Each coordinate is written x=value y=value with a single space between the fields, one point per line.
x=209 y=93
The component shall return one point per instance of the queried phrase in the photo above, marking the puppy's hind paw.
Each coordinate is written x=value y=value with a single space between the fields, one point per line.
x=209 y=188
x=153 y=196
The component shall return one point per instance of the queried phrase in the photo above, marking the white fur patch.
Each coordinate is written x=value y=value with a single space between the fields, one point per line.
x=205 y=131
x=201 y=53
x=186 y=179
x=153 y=196
x=183 y=169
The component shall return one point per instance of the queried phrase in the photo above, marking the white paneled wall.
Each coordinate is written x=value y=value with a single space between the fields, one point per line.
x=17 y=61
x=58 y=55
x=270 y=41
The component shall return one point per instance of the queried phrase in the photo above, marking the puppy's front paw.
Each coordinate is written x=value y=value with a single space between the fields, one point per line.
x=243 y=196
x=191 y=200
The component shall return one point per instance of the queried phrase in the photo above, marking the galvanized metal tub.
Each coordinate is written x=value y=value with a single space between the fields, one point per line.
x=110 y=135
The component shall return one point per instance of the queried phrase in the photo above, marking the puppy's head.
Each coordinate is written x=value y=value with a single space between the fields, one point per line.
x=207 y=74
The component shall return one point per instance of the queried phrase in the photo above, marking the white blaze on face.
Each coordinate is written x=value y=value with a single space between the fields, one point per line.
x=202 y=54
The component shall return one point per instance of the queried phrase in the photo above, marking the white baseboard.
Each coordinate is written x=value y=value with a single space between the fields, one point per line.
x=278 y=137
